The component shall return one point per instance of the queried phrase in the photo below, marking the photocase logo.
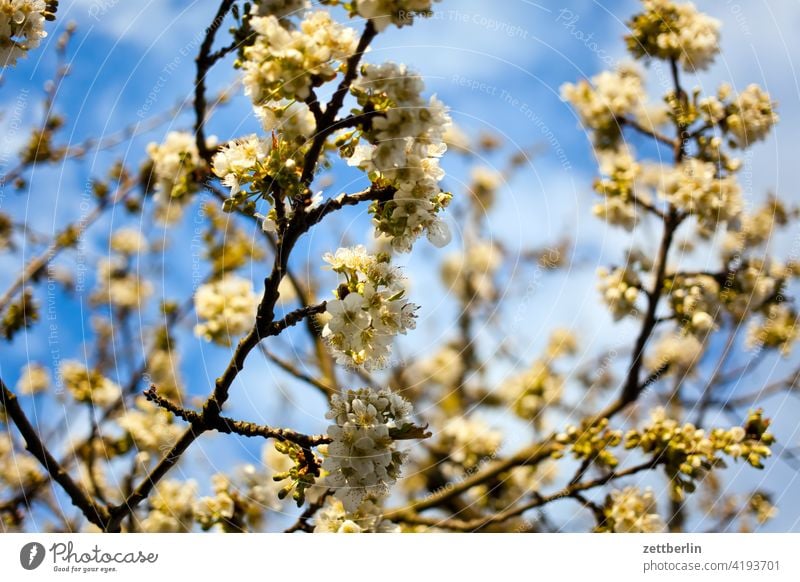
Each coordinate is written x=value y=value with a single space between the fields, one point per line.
x=31 y=555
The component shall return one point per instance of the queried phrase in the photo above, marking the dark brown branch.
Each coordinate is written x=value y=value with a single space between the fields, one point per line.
x=632 y=386
x=205 y=60
x=327 y=124
x=294 y=318
x=529 y=456
x=537 y=501
x=228 y=425
x=672 y=220
x=96 y=514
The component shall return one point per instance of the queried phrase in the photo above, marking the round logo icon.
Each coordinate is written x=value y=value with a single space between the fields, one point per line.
x=31 y=555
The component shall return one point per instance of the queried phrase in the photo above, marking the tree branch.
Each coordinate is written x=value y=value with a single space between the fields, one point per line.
x=537 y=501
x=228 y=425
x=96 y=514
x=205 y=60
x=327 y=124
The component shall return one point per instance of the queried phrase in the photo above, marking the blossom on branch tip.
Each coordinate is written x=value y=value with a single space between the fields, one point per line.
x=362 y=460
x=284 y=63
x=603 y=100
x=674 y=31
x=406 y=140
x=369 y=310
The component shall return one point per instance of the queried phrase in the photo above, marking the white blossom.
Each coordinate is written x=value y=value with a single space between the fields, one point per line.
x=171 y=508
x=620 y=289
x=363 y=460
x=174 y=163
x=284 y=63
x=150 y=427
x=227 y=308
x=128 y=241
x=87 y=385
x=696 y=187
x=670 y=30
x=470 y=274
x=634 y=511
x=18 y=470
x=361 y=322
x=605 y=98
x=407 y=140
x=236 y=161
x=117 y=285
x=333 y=518
x=752 y=116
x=33 y=379
x=21 y=29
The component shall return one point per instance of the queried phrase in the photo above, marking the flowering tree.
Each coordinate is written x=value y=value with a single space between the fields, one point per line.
x=407 y=446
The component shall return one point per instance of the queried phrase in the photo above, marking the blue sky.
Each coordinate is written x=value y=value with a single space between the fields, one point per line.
x=498 y=66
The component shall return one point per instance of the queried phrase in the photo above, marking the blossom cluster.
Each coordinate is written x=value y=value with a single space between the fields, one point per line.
x=530 y=392
x=604 y=100
x=468 y=442
x=240 y=164
x=674 y=31
x=86 y=385
x=235 y=503
x=33 y=379
x=150 y=428
x=334 y=518
x=778 y=329
x=592 y=442
x=21 y=28
x=484 y=183
x=174 y=164
x=17 y=470
x=632 y=510
x=362 y=460
x=688 y=452
x=755 y=285
x=171 y=508
x=255 y=168
x=747 y=117
x=695 y=302
x=227 y=308
x=442 y=368
x=118 y=283
x=620 y=172
x=406 y=139
x=369 y=310
x=283 y=63
x=620 y=288
x=695 y=187
x=675 y=353
x=470 y=273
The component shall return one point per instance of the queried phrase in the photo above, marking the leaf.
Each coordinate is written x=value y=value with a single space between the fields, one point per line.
x=410 y=431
